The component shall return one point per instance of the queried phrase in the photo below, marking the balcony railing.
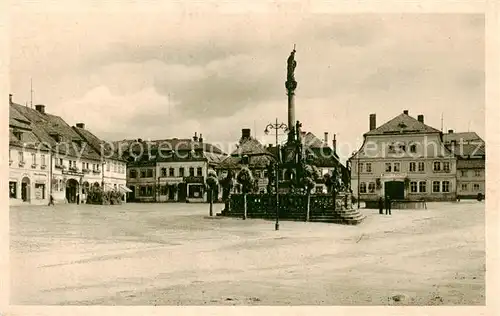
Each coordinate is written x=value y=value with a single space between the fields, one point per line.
x=62 y=167
x=33 y=166
x=21 y=163
x=73 y=169
x=96 y=171
x=85 y=170
x=43 y=166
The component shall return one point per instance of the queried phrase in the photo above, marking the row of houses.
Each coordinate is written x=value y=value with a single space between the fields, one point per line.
x=178 y=173
x=48 y=157
x=407 y=159
x=403 y=158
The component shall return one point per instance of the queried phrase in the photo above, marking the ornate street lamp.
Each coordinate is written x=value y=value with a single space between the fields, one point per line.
x=276 y=126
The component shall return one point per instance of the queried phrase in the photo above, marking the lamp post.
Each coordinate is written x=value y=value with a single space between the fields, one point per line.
x=276 y=126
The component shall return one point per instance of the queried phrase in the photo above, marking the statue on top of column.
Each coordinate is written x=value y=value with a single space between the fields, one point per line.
x=291 y=66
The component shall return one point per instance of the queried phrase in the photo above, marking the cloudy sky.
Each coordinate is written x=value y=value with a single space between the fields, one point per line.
x=154 y=74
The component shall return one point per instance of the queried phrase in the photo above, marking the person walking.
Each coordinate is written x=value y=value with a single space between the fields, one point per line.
x=387 y=205
x=380 y=205
x=51 y=200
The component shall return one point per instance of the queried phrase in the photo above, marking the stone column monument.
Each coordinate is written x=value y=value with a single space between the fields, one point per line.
x=290 y=86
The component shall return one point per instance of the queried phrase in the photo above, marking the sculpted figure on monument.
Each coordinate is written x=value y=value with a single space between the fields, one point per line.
x=291 y=66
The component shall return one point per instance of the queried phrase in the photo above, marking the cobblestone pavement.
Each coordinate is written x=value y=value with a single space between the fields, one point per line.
x=175 y=254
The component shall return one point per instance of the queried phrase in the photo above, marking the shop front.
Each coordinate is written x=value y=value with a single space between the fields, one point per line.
x=195 y=189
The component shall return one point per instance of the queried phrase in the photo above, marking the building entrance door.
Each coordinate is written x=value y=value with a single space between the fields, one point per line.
x=182 y=193
x=395 y=189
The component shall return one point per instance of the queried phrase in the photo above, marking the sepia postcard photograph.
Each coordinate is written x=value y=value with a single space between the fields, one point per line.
x=165 y=155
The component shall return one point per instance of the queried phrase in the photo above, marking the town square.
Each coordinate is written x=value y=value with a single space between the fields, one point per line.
x=311 y=164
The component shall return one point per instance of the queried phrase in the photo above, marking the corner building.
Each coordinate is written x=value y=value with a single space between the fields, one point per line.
x=405 y=159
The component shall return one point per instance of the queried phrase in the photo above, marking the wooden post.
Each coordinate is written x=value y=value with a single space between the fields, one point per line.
x=308 y=210
x=245 y=206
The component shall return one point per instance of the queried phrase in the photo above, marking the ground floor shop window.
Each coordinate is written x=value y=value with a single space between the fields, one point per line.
x=39 y=191
x=163 y=190
x=464 y=187
x=476 y=187
x=195 y=191
x=13 y=189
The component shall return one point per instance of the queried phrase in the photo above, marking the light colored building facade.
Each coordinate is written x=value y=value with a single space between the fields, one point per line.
x=405 y=159
x=113 y=172
x=71 y=165
x=469 y=149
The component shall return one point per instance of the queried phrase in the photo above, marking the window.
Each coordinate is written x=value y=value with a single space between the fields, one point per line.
x=143 y=190
x=397 y=167
x=388 y=167
x=171 y=172
x=191 y=171
x=114 y=167
x=149 y=190
x=437 y=166
x=446 y=166
x=163 y=172
x=360 y=166
x=143 y=173
x=371 y=187
x=83 y=165
x=33 y=158
x=413 y=186
x=421 y=166
x=362 y=187
x=181 y=172
x=413 y=166
x=477 y=173
x=42 y=160
x=413 y=148
x=133 y=173
x=199 y=172
x=149 y=173
x=21 y=156
x=435 y=186
x=463 y=173
x=39 y=191
x=476 y=186
x=446 y=186
x=422 y=186
x=464 y=187
x=163 y=190
x=61 y=162
x=368 y=167
x=13 y=189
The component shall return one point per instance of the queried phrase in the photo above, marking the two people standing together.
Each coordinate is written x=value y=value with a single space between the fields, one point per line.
x=387 y=203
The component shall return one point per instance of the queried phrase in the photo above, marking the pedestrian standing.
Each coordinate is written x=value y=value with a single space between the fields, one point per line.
x=51 y=200
x=380 y=205
x=388 y=205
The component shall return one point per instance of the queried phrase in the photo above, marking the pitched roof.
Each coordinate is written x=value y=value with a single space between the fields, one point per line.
x=467 y=150
x=470 y=164
x=179 y=144
x=97 y=143
x=44 y=125
x=464 y=137
x=255 y=161
x=250 y=146
x=403 y=124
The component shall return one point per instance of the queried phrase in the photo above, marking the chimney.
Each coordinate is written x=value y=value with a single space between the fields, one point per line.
x=373 y=121
x=245 y=133
x=421 y=118
x=40 y=108
x=326 y=137
x=450 y=131
x=201 y=138
x=195 y=137
x=10 y=98
x=334 y=143
x=405 y=112
x=80 y=125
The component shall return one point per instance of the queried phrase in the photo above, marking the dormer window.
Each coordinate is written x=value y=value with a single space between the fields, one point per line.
x=245 y=160
x=56 y=137
x=18 y=134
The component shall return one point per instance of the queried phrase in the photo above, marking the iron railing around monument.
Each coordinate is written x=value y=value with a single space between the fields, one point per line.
x=291 y=206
